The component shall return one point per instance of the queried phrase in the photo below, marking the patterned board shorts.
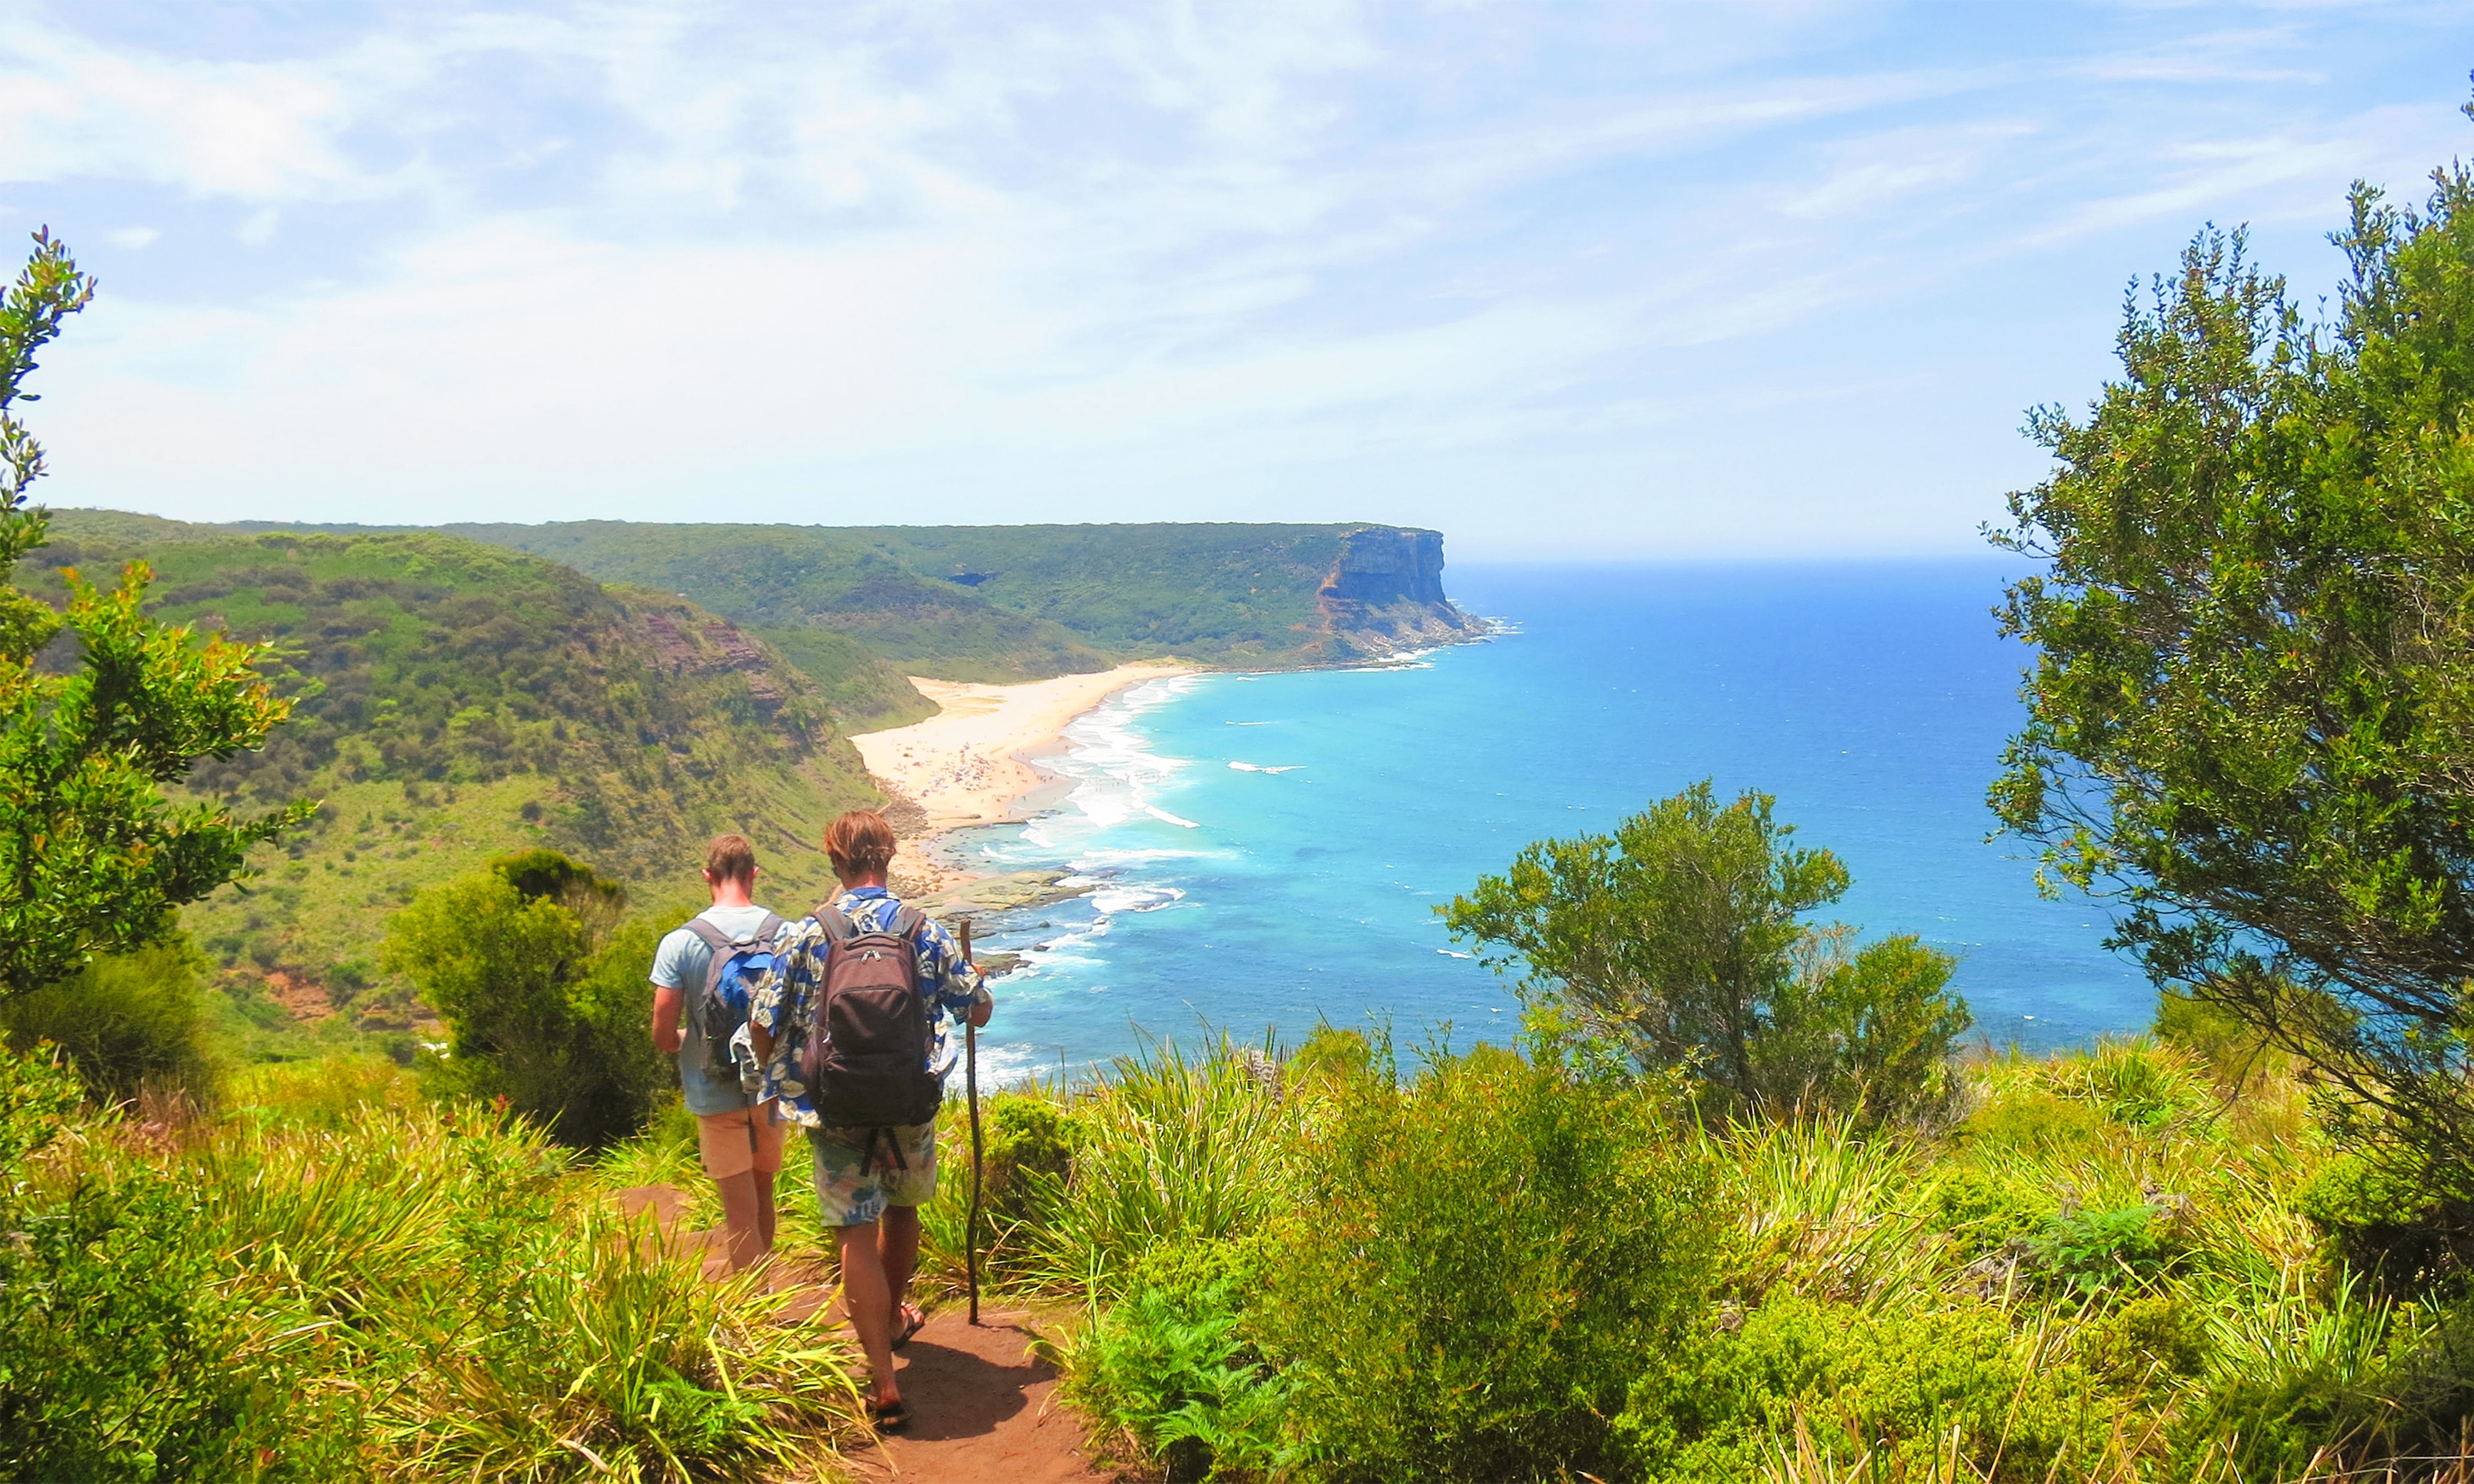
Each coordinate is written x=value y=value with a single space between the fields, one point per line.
x=855 y=1184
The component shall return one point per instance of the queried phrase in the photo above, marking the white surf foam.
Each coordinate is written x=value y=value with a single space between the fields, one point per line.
x=1112 y=899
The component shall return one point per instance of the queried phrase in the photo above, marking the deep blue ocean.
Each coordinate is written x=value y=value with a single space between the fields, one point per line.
x=1268 y=850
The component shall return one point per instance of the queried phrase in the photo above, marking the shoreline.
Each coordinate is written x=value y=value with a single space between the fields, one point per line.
x=976 y=761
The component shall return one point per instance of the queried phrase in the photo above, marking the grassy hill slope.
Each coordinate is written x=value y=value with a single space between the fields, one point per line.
x=457 y=701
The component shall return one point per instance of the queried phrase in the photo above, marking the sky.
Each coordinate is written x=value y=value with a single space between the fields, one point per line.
x=1775 y=278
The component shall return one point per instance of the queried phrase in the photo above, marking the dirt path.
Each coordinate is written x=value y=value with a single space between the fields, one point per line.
x=982 y=1410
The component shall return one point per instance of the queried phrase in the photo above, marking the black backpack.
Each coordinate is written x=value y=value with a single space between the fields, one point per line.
x=718 y=1007
x=866 y=1063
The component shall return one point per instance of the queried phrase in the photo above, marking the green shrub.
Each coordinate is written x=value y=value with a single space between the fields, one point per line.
x=123 y=1352
x=2146 y=1343
x=1028 y=1147
x=543 y=997
x=1480 y=1262
x=2389 y=1218
x=1985 y=1210
x=2104 y=1250
x=1167 y=1367
x=130 y=1022
x=2037 y=1124
x=1897 y=1390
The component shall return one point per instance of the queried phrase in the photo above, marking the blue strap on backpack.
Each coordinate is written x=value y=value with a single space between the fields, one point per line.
x=718 y=1007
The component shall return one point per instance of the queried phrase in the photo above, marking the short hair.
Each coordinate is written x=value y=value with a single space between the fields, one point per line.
x=860 y=844
x=731 y=858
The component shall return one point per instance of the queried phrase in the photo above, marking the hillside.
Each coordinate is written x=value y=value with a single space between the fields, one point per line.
x=457 y=701
x=1011 y=603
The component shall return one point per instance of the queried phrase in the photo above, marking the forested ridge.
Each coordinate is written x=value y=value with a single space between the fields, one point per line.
x=986 y=602
x=455 y=701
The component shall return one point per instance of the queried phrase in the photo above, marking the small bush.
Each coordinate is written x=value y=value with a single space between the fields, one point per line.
x=2037 y=1124
x=2389 y=1218
x=131 y=1023
x=1479 y=1264
x=1897 y=1391
x=1028 y=1147
x=2100 y=1251
x=2146 y=1344
x=1167 y=1368
x=544 y=996
x=125 y=1352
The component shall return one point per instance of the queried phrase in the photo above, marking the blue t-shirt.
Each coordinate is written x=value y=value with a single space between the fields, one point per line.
x=681 y=964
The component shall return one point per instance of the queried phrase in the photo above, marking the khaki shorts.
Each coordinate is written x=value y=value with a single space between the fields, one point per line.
x=733 y=1144
x=854 y=1188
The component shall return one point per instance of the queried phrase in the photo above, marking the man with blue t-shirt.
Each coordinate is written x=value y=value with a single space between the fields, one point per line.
x=738 y=1135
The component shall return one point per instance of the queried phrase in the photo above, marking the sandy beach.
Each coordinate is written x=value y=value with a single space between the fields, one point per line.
x=964 y=765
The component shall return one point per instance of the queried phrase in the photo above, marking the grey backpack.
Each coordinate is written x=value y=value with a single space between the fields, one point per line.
x=718 y=1007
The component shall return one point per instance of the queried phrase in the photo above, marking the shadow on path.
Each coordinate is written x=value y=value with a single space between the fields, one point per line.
x=981 y=1409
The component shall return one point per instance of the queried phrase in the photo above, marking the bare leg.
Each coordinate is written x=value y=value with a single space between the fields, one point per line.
x=739 y=1216
x=765 y=1212
x=869 y=1302
x=898 y=1246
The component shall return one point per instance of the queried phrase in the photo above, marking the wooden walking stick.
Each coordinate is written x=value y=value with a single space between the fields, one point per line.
x=971 y=1085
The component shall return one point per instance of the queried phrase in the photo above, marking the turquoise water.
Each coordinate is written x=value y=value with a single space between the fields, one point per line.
x=1265 y=849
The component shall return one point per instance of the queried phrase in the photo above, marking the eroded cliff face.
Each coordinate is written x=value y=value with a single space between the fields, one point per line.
x=1386 y=594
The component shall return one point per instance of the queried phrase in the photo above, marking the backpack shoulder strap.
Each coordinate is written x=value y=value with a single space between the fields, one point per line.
x=714 y=936
x=907 y=922
x=837 y=927
x=770 y=928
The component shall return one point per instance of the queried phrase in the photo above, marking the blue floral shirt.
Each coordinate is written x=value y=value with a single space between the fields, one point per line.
x=782 y=1001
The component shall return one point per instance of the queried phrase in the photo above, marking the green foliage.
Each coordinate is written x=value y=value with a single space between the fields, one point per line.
x=542 y=1010
x=1167 y=1367
x=49 y=290
x=1896 y=1390
x=2097 y=1250
x=130 y=1024
x=1479 y=1262
x=2146 y=1343
x=456 y=702
x=1677 y=935
x=985 y=603
x=1027 y=1152
x=123 y=1352
x=92 y=856
x=2247 y=714
x=326 y=1289
x=2406 y=1226
x=1168 y=1148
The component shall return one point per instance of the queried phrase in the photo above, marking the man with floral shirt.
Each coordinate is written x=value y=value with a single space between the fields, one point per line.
x=871 y=1194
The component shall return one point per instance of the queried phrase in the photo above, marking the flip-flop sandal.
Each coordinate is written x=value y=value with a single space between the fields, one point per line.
x=888 y=1417
x=914 y=1319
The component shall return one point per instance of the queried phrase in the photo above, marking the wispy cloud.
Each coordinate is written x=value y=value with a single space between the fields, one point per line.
x=1307 y=260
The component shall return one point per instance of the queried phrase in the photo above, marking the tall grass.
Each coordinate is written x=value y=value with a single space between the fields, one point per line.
x=1171 y=1147
x=442 y=1292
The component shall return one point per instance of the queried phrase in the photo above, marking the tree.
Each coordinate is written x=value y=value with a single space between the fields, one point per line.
x=92 y=856
x=541 y=987
x=2251 y=711
x=1679 y=936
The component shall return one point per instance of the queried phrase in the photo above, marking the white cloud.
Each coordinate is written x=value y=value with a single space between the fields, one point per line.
x=1298 y=260
x=131 y=238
